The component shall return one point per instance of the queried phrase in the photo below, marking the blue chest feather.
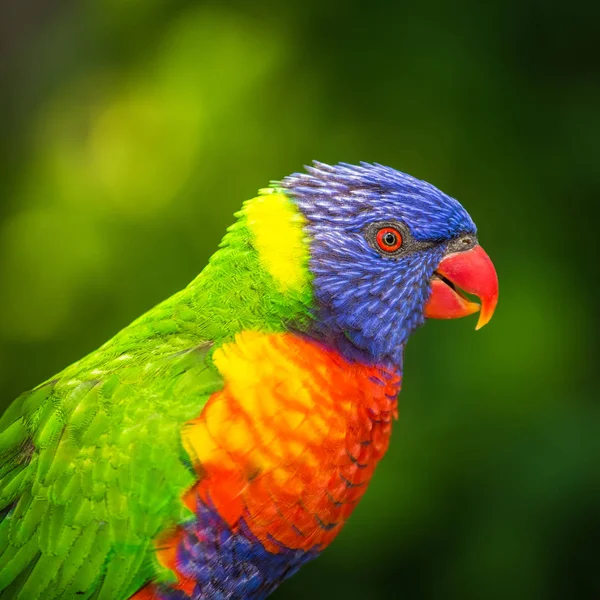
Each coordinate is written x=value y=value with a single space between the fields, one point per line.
x=226 y=565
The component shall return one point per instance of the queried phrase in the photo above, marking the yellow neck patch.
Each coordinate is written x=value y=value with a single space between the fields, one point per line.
x=278 y=231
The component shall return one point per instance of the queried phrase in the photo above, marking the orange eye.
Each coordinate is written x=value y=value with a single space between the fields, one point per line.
x=389 y=239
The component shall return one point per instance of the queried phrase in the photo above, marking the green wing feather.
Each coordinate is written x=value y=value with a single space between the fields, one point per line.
x=92 y=465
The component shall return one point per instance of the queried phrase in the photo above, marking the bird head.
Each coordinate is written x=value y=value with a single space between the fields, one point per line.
x=386 y=252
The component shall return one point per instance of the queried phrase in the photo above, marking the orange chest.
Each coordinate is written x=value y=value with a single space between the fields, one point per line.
x=289 y=445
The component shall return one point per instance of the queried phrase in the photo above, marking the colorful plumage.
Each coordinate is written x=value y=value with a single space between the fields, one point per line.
x=221 y=440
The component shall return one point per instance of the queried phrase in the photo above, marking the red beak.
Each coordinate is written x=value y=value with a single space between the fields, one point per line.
x=470 y=271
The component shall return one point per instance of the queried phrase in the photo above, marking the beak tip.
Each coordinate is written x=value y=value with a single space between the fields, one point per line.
x=484 y=318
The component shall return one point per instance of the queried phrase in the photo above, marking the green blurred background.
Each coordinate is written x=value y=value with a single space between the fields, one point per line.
x=131 y=131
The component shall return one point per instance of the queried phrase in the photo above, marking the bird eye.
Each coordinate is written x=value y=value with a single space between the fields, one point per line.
x=389 y=239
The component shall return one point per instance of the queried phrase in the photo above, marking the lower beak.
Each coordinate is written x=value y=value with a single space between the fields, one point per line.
x=470 y=271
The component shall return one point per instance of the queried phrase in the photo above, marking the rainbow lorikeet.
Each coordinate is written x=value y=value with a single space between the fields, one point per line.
x=221 y=440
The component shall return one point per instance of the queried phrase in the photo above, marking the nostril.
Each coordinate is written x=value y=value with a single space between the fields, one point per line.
x=462 y=242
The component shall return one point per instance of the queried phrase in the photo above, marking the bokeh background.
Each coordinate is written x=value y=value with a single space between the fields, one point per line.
x=131 y=131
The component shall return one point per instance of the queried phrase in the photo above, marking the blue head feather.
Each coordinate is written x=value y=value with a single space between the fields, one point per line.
x=368 y=304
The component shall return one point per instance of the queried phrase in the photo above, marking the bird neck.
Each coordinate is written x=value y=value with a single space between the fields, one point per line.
x=258 y=279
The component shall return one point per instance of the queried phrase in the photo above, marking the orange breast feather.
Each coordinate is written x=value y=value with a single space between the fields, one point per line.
x=291 y=442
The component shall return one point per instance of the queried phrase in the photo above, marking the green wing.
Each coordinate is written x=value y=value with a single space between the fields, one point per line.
x=92 y=469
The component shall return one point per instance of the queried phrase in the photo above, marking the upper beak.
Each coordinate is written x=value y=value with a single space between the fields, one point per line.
x=473 y=272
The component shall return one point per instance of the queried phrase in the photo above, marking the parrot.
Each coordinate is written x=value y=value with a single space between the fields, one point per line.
x=221 y=441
